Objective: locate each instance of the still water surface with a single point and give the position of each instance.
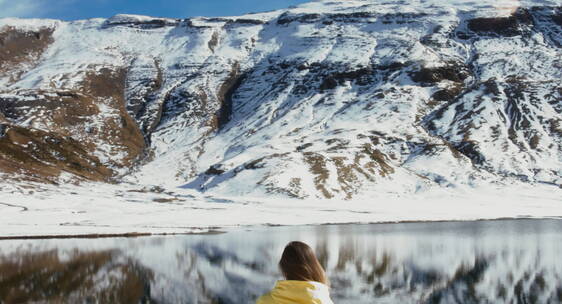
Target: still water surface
(506, 261)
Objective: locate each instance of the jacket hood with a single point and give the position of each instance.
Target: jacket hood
(297, 292)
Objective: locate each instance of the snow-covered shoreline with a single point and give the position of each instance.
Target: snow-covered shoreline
(98, 209)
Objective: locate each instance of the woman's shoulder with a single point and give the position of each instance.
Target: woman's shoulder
(300, 284)
(265, 299)
(288, 291)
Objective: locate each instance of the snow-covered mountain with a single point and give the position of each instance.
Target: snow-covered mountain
(330, 99)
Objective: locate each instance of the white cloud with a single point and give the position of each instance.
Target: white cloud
(20, 8)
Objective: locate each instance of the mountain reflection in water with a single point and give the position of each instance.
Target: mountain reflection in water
(508, 261)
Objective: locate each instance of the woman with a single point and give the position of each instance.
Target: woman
(305, 280)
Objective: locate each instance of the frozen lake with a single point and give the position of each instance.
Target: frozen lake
(515, 261)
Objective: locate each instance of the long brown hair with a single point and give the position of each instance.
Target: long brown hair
(299, 263)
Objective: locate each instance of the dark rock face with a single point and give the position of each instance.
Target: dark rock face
(452, 72)
(447, 94)
(136, 102)
(557, 17)
(2, 130)
(287, 18)
(502, 26)
(353, 17)
(470, 150)
(360, 76)
(215, 170)
(519, 23)
(140, 24)
(225, 93)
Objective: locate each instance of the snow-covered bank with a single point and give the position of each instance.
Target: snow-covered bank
(118, 209)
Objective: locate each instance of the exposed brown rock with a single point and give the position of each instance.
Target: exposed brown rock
(317, 165)
(61, 110)
(107, 87)
(367, 163)
(19, 47)
(347, 177)
(379, 160)
(43, 156)
(68, 129)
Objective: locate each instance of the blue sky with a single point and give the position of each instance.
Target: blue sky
(83, 9)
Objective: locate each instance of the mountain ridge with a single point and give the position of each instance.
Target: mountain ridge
(329, 99)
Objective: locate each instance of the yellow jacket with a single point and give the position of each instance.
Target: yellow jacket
(297, 292)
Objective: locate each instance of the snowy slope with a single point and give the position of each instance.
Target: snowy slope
(330, 99)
